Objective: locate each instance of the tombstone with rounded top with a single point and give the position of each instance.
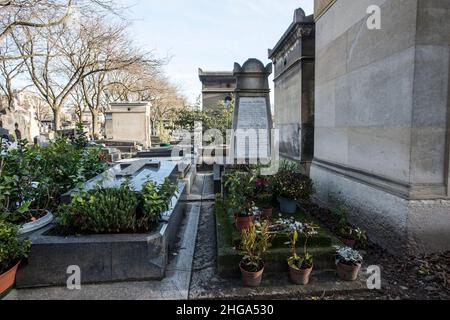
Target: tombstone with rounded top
(252, 122)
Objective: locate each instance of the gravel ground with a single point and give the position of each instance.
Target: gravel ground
(402, 278)
(204, 276)
(417, 278)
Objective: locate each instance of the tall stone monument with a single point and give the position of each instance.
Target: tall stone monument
(252, 122)
(293, 60)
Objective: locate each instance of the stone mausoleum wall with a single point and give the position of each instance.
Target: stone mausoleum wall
(382, 119)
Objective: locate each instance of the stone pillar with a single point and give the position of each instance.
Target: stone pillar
(382, 119)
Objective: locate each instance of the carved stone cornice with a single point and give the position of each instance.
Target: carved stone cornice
(290, 40)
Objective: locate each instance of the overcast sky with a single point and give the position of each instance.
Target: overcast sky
(210, 34)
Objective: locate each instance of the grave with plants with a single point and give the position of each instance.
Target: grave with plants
(113, 230)
(248, 195)
(32, 180)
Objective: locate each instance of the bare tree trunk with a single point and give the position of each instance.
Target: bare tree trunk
(95, 124)
(80, 117)
(57, 118)
(11, 102)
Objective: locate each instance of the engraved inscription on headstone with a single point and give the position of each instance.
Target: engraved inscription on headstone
(252, 128)
(252, 113)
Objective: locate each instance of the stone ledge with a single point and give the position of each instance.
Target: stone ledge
(279, 287)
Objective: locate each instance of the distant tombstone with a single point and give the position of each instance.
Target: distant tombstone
(252, 121)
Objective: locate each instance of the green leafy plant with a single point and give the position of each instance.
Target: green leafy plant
(254, 244)
(293, 185)
(240, 187)
(116, 210)
(81, 141)
(289, 166)
(340, 216)
(12, 250)
(100, 211)
(156, 200)
(33, 178)
(304, 261)
(346, 230)
(264, 195)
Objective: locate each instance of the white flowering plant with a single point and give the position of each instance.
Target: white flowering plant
(348, 256)
(291, 225)
(298, 229)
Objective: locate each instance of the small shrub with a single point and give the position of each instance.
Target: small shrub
(240, 187)
(100, 211)
(293, 185)
(12, 250)
(116, 210)
(156, 200)
(346, 230)
(33, 178)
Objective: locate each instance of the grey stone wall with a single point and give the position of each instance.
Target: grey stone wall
(381, 119)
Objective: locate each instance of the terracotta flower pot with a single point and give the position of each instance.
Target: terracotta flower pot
(348, 273)
(243, 223)
(300, 277)
(8, 278)
(267, 213)
(349, 242)
(251, 279)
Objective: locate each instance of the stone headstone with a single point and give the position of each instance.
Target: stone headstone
(252, 121)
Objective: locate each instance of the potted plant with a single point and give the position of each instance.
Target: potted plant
(301, 266)
(12, 251)
(350, 236)
(240, 193)
(254, 244)
(292, 187)
(264, 198)
(348, 262)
